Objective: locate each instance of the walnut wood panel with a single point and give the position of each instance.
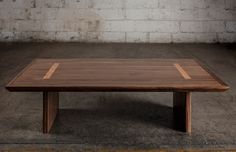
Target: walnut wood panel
(50, 109)
(182, 111)
(116, 75)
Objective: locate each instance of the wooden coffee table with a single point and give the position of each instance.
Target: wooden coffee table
(180, 76)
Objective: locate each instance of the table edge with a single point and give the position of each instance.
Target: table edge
(12, 88)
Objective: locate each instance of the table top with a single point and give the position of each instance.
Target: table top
(115, 75)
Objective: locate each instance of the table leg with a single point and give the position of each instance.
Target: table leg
(50, 109)
(182, 111)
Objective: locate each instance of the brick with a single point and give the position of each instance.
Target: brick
(200, 26)
(50, 3)
(27, 36)
(137, 37)
(183, 38)
(93, 37)
(230, 4)
(221, 15)
(47, 36)
(36, 14)
(227, 37)
(142, 26)
(198, 15)
(107, 4)
(206, 15)
(108, 14)
(17, 4)
(194, 4)
(36, 36)
(215, 4)
(67, 36)
(9, 25)
(90, 14)
(77, 3)
(141, 4)
(172, 14)
(160, 38)
(1, 37)
(112, 36)
(231, 26)
(28, 25)
(169, 4)
(7, 36)
(73, 26)
(53, 25)
(4, 4)
(20, 14)
(95, 25)
(70, 14)
(191, 15)
(83, 14)
(157, 26)
(2, 25)
(5, 13)
(139, 14)
(116, 26)
(206, 38)
(43, 13)
(14, 13)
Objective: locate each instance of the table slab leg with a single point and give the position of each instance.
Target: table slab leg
(50, 109)
(182, 111)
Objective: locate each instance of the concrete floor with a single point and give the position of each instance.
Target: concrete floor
(117, 120)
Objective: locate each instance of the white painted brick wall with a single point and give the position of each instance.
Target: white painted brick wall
(154, 21)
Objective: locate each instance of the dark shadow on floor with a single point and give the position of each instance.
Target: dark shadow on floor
(113, 116)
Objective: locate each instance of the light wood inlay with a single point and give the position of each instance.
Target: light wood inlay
(182, 71)
(50, 72)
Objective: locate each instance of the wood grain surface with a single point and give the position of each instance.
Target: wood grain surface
(182, 111)
(50, 109)
(116, 75)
